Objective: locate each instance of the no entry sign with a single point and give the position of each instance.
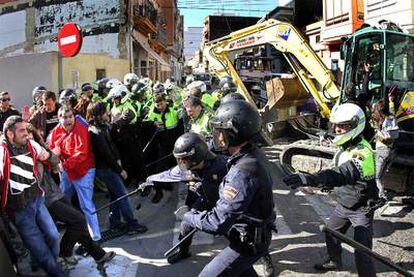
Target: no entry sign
(70, 39)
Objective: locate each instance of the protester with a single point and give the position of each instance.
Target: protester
(22, 196)
(70, 141)
(109, 168)
(62, 210)
(45, 118)
(6, 109)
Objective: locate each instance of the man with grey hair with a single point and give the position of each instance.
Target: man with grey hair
(22, 198)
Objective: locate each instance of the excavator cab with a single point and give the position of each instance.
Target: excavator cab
(379, 64)
(375, 60)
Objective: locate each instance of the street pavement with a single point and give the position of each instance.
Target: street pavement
(297, 246)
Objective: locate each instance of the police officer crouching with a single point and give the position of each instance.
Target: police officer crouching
(207, 170)
(244, 212)
(353, 181)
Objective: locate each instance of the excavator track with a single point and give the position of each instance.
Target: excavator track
(307, 155)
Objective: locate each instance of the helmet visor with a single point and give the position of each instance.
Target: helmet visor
(222, 125)
(184, 154)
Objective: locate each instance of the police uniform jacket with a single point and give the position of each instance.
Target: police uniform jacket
(353, 177)
(246, 190)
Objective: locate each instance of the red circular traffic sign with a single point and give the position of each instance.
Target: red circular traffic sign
(70, 39)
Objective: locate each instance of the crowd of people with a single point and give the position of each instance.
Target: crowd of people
(124, 133)
(54, 153)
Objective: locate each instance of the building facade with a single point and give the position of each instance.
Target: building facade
(192, 37)
(119, 36)
(342, 18)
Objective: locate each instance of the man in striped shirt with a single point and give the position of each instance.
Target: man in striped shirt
(22, 197)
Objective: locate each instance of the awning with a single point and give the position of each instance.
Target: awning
(141, 39)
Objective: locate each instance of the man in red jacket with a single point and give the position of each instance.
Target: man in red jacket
(70, 141)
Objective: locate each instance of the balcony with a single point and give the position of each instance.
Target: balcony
(162, 36)
(145, 17)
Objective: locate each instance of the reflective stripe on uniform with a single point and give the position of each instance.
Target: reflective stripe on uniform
(363, 157)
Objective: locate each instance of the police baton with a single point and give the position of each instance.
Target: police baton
(358, 246)
(140, 188)
(159, 160)
(180, 242)
(150, 141)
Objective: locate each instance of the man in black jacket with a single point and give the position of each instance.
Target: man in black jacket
(109, 168)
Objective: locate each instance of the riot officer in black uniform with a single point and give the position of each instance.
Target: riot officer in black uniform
(244, 212)
(203, 171)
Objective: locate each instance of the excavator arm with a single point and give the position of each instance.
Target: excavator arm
(286, 39)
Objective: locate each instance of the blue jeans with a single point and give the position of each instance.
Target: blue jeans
(84, 189)
(117, 189)
(40, 235)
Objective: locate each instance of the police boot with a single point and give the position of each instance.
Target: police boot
(158, 196)
(329, 265)
(178, 256)
(268, 268)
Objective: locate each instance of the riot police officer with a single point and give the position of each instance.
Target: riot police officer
(353, 181)
(244, 212)
(202, 171)
(123, 121)
(130, 79)
(231, 97)
(68, 97)
(197, 117)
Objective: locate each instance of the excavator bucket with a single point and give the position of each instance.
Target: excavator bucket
(285, 92)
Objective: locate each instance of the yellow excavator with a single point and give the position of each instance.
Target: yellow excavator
(394, 68)
(286, 39)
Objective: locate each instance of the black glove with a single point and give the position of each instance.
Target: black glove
(296, 180)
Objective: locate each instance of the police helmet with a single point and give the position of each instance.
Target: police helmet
(130, 79)
(197, 85)
(37, 93)
(139, 88)
(228, 88)
(113, 83)
(351, 117)
(232, 97)
(158, 89)
(68, 97)
(169, 85)
(234, 122)
(102, 83)
(118, 91)
(192, 148)
(146, 80)
(86, 87)
(225, 80)
(189, 79)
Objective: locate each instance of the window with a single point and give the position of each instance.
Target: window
(400, 58)
(75, 79)
(144, 68)
(100, 74)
